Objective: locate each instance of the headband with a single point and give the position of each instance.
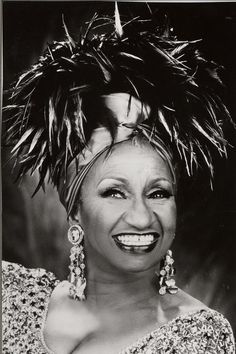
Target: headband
(128, 113)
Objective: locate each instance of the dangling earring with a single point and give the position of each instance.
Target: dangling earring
(167, 271)
(77, 266)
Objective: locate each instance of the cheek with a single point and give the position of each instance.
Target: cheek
(167, 217)
(97, 217)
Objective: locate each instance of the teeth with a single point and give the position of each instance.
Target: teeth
(136, 240)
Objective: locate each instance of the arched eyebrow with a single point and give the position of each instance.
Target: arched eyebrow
(160, 179)
(125, 181)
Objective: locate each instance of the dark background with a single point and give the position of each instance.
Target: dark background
(34, 230)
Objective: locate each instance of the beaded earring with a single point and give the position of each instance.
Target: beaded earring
(167, 272)
(77, 266)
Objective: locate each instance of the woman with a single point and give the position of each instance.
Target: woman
(113, 120)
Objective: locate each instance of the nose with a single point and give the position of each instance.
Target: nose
(139, 215)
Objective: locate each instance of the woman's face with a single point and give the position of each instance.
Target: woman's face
(128, 209)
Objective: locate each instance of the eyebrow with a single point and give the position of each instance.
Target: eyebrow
(120, 179)
(124, 180)
(160, 179)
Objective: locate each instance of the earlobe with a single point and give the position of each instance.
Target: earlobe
(74, 219)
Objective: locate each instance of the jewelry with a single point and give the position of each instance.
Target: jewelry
(77, 266)
(167, 272)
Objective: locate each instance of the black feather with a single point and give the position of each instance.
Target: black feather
(49, 126)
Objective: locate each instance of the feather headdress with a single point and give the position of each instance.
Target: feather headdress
(54, 107)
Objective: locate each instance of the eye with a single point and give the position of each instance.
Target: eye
(160, 194)
(113, 193)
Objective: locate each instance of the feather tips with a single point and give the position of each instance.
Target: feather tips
(118, 26)
(49, 124)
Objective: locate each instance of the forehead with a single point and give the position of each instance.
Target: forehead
(131, 160)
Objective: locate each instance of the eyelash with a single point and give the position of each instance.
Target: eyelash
(162, 194)
(111, 193)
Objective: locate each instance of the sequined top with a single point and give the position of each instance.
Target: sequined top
(26, 294)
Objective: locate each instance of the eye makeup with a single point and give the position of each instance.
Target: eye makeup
(112, 192)
(160, 193)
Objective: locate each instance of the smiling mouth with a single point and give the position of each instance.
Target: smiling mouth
(137, 243)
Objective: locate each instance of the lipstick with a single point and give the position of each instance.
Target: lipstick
(136, 243)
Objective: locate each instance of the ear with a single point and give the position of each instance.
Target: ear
(74, 218)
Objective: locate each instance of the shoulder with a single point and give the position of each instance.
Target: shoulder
(201, 327)
(17, 277)
(210, 330)
(25, 297)
(201, 331)
(187, 303)
(179, 304)
(21, 286)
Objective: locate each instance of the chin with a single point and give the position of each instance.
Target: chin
(134, 265)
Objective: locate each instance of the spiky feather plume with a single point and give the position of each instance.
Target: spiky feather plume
(50, 105)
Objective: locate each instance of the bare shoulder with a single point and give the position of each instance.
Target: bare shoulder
(180, 304)
(187, 303)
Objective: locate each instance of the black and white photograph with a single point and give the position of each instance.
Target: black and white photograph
(118, 173)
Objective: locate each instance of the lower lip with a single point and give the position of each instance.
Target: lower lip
(136, 249)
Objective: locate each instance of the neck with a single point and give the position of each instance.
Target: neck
(115, 290)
